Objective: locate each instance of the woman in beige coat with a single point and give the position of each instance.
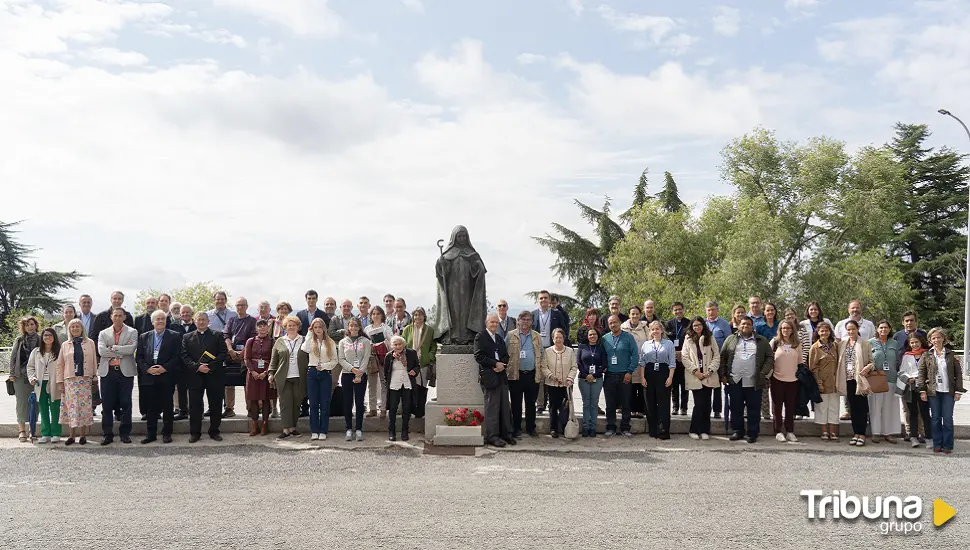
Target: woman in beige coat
(559, 369)
(701, 359)
(287, 372)
(855, 357)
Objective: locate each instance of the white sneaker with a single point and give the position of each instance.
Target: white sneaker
(780, 437)
(929, 444)
(915, 443)
(349, 436)
(705, 437)
(792, 438)
(360, 435)
(322, 437)
(44, 439)
(694, 436)
(314, 437)
(55, 439)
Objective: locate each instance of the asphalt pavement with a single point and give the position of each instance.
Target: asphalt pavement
(622, 493)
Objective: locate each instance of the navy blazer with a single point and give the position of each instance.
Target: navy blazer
(169, 357)
(556, 320)
(488, 352)
(304, 316)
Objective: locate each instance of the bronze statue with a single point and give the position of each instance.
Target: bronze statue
(461, 291)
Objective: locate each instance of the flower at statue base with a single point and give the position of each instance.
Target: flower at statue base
(464, 417)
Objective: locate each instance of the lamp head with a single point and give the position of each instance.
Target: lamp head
(943, 112)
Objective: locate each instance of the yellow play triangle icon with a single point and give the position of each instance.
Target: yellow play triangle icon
(942, 512)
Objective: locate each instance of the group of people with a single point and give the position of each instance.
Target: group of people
(291, 365)
(768, 365)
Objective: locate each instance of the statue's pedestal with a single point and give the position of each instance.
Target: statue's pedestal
(457, 386)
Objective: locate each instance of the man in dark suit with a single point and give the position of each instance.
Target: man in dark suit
(184, 326)
(103, 319)
(492, 357)
(158, 358)
(203, 359)
(143, 324)
(311, 312)
(556, 302)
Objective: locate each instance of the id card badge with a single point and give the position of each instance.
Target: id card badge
(613, 360)
(592, 369)
(786, 347)
(260, 364)
(939, 379)
(656, 367)
(521, 354)
(240, 347)
(357, 364)
(885, 366)
(544, 334)
(155, 356)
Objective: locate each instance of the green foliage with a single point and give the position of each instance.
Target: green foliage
(22, 285)
(670, 196)
(11, 329)
(198, 295)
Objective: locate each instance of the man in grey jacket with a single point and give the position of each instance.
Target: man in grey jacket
(116, 346)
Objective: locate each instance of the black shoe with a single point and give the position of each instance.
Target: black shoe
(391, 437)
(166, 439)
(683, 412)
(664, 437)
(295, 433)
(215, 437)
(304, 414)
(125, 439)
(181, 416)
(510, 440)
(107, 440)
(751, 439)
(69, 442)
(405, 436)
(517, 435)
(555, 435)
(736, 437)
(585, 433)
(193, 438)
(148, 440)
(496, 442)
(283, 435)
(533, 434)
(540, 411)
(118, 416)
(717, 415)
(83, 441)
(207, 413)
(144, 417)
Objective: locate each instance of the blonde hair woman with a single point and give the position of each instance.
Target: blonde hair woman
(76, 370)
(559, 368)
(287, 371)
(940, 383)
(855, 354)
(322, 354)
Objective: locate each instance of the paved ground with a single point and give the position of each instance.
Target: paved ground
(633, 493)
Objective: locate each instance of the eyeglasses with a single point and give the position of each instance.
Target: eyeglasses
(503, 305)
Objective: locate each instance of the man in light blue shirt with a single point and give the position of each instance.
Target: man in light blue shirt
(720, 329)
(219, 316)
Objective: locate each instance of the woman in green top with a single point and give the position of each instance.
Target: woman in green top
(884, 407)
(419, 336)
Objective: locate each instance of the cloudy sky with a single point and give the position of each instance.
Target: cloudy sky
(273, 146)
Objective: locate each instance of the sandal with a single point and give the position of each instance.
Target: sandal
(833, 437)
(890, 439)
(23, 437)
(854, 441)
(861, 442)
(825, 436)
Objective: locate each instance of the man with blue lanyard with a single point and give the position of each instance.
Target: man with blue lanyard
(720, 330)
(158, 357)
(623, 358)
(746, 363)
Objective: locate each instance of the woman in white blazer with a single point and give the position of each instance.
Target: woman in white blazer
(701, 358)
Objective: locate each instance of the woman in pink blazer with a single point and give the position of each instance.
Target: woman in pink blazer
(76, 368)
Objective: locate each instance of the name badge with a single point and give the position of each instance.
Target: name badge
(496, 355)
(613, 360)
(155, 355)
(240, 347)
(885, 366)
(522, 354)
(592, 369)
(786, 347)
(260, 364)
(939, 379)
(544, 334)
(656, 367)
(356, 364)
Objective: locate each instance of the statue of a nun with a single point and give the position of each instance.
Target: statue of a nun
(461, 291)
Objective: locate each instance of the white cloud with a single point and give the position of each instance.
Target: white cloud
(654, 31)
(301, 17)
(416, 6)
(576, 6)
(862, 40)
(727, 20)
(212, 36)
(113, 56)
(530, 58)
(794, 5)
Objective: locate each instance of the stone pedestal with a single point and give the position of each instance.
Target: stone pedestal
(457, 386)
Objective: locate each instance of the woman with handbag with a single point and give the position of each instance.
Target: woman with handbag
(941, 384)
(917, 408)
(420, 337)
(701, 359)
(77, 367)
(558, 370)
(25, 343)
(855, 355)
(884, 406)
(379, 335)
(353, 354)
(401, 368)
(829, 372)
(592, 363)
(287, 372)
(787, 349)
(322, 353)
(40, 371)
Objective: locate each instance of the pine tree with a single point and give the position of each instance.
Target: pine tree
(930, 241)
(22, 285)
(639, 197)
(670, 198)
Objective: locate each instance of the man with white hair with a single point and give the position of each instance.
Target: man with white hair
(492, 357)
(158, 358)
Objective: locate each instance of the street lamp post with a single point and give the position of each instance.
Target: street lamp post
(966, 284)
